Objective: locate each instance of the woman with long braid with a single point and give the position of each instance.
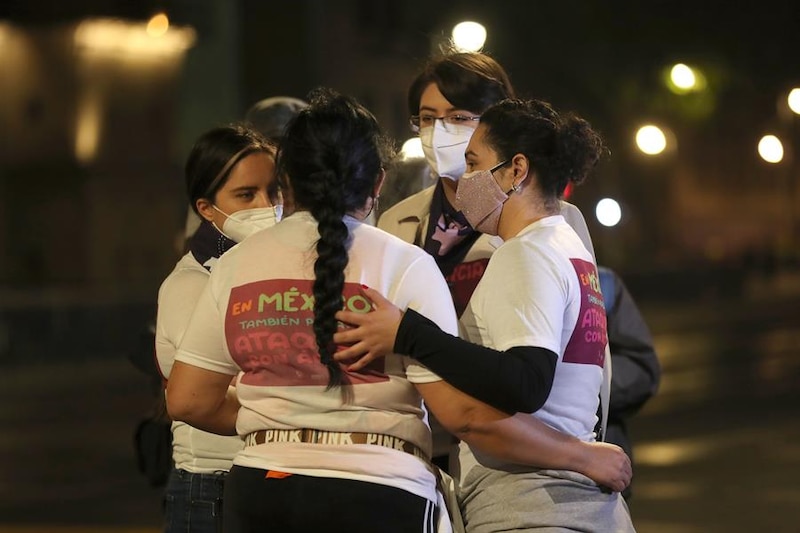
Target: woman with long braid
(326, 448)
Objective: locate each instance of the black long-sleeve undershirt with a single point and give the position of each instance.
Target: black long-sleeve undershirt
(517, 380)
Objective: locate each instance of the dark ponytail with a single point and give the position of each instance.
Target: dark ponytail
(332, 154)
(579, 149)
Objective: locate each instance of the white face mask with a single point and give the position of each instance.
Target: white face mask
(244, 223)
(444, 150)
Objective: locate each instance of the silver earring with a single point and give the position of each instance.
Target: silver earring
(516, 188)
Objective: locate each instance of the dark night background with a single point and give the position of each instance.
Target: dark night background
(94, 133)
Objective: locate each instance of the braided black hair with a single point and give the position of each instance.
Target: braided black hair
(332, 154)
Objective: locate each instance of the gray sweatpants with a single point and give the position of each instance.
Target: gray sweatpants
(543, 500)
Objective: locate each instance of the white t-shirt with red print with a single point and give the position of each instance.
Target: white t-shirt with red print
(255, 319)
(541, 289)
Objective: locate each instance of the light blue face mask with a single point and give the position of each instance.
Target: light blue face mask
(242, 224)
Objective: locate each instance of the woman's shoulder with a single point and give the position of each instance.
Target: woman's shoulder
(188, 277)
(413, 208)
(532, 249)
(187, 268)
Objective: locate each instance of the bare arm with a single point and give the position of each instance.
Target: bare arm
(523, 439)
(519, 439)
(202, 399)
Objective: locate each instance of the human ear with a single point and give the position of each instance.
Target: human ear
(205, 209)
(379, 183)
(520, 168)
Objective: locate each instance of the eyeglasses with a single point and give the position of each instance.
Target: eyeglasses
(452, 123)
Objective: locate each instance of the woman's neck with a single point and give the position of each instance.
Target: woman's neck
(519, 212)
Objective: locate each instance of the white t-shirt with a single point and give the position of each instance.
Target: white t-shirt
(193, 450)
(541, 289)
(256, 316)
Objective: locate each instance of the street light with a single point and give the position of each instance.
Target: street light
(608, 212)
(794, 100)
(469, 36)
(683, 76)
(683, 79)
(770, 148)
(651, 139)
(158, 25)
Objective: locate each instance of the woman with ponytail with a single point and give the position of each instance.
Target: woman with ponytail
(326, 448)
(536, 323)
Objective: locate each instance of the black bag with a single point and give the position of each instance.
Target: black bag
(152, 441)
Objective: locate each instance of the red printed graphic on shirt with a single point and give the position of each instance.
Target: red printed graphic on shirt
(463, 280)
(587, 344)
(269, 333)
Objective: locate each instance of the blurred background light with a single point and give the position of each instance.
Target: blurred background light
(469, 36)
(683, 79)
(113, 36)
(794, 100)
(158, 25)
(608, 212)
(770, 148)
(4, 31)
(651, 140)
(683, 76)
(88, 127)
(412, 149)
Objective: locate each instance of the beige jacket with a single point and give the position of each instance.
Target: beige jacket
(408, 220)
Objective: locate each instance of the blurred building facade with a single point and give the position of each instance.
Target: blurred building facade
(97, 118)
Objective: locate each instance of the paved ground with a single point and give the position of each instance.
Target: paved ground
(717, 450)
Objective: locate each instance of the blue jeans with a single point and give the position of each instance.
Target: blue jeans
(193, 502)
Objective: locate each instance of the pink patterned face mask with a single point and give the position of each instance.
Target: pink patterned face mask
(480, 199)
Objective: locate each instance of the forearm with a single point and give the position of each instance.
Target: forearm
(518, 379)
(519, 439)
(524, 439)
(219, 419)
(202, 399)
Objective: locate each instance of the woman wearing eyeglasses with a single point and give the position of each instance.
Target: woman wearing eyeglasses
(446, 100)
